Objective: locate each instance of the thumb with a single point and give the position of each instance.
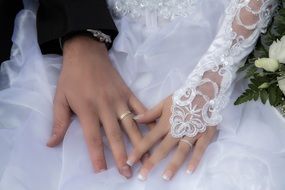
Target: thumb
(61, 121)
(150, 115)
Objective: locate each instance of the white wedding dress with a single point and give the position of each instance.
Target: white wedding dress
(160, 43)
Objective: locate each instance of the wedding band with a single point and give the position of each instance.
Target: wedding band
(187, 142)
(124, 115)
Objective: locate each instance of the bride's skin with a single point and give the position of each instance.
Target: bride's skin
(91, 88)
(161, 130)
(162, 113)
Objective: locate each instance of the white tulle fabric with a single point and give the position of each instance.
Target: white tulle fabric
(155, 58)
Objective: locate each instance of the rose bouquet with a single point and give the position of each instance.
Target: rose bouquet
(265, 66)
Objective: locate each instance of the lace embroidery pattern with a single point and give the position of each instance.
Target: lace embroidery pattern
(167, 9)
(223, 58)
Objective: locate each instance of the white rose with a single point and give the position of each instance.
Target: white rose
(281, 83)
(277, 50)
(267, 64)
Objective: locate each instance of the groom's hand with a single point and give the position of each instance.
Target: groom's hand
(91, 88)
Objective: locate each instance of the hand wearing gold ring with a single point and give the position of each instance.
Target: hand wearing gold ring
(184, 146)
(92, 89)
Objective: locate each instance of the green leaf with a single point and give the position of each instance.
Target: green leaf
(263, 96)
(253, 87)
(282, 67)
(245, 97)
(279, 96)
(251, 71)
(266, 40)
(260, 51)
(256, 96)
(272, 95)
(254, 81)
(278, 26)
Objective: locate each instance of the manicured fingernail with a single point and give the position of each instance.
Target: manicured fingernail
(137, 116)
(101, 170)
(130, 163)
(189, 172)
(142, 175)
(167, 175)
(51, 139)
(131, 160)
(126, 171)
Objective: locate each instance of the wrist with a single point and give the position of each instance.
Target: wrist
(82, 46)
(93, 34)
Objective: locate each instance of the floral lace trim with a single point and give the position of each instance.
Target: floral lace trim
(167, 9)
(223, 58)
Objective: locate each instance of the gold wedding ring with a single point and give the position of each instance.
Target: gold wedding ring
(187, 142)
(124, 115)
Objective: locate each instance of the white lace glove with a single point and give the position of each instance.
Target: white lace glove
(207, 90)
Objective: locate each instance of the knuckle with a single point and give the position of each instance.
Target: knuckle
(97, 161)
(97, 142)
(121, 159)
(162, 152)
(204, 144)
(183, 148)
(201, 146)
(59, 125)
(212, 132)
(88, 100)
(116, 136)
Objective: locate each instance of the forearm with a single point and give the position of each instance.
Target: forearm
(211, 80)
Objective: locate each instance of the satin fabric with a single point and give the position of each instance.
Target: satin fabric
(154, 58)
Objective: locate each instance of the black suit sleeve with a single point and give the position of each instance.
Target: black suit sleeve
(8, 11)
(58, 18)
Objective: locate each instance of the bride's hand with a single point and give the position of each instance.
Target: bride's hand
(183, 146)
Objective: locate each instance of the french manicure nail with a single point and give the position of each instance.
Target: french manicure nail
(126, 171)
(130, 163)
(101, 170)
(143, 174)
(131, 160)
(189, 172)
(167, 175)
(137, 116)
(141, 177)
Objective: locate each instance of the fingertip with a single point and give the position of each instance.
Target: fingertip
(142, 176)
(138, 118)
(130, 163)
(131, 160)
(52, 141)
(167, 175)
(188, 172)
(126, 171)
(100, 171)
(191, 169)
